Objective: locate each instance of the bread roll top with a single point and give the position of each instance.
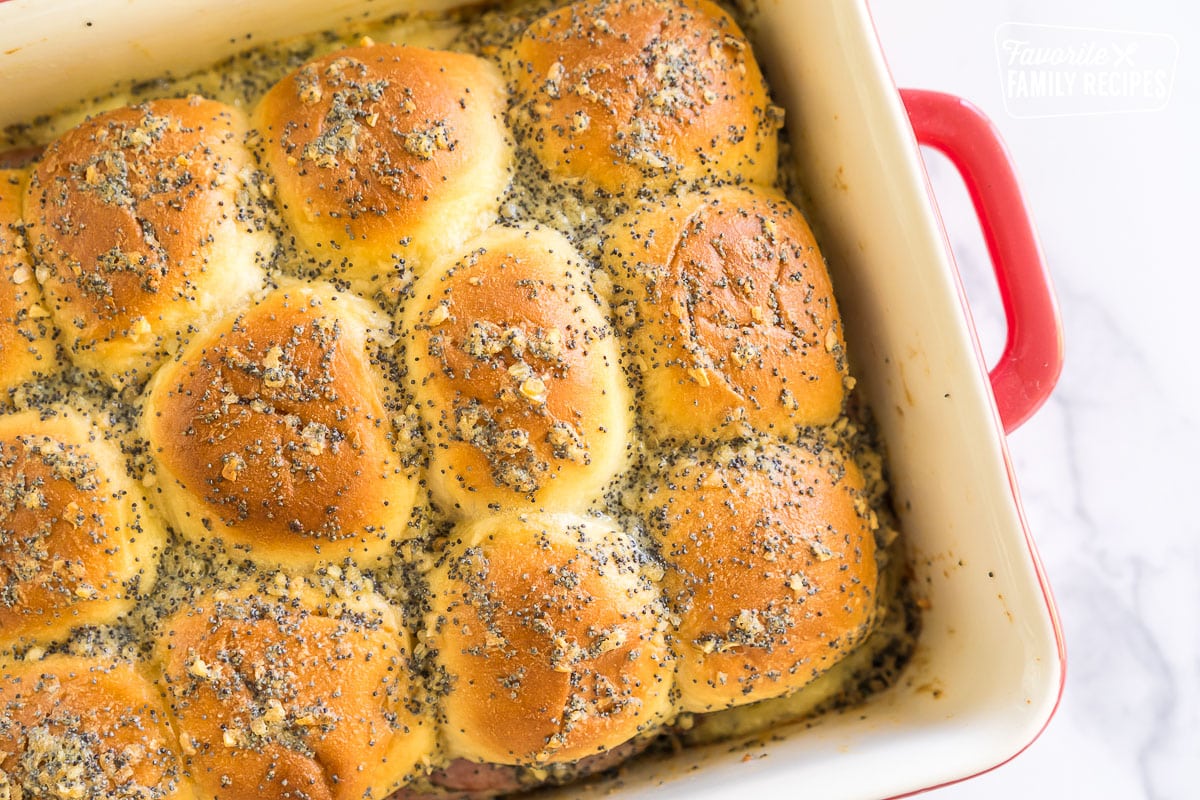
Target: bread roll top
(141, 222)
(551, 640)
(26, 332)
(634, 95)
(78, 545)
(771, 566)
(278, 691)
(514, 368)
(732, 321)
(76, 728)
(273, 432)
(385, 156)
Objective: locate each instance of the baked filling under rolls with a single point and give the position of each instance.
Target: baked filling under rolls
(637, 95)
(278, 691)
(272, 434)
(26, 332)
(78, 545)
(141, 221)
(732, 321)
(77, 728)
(514, 368)
(770, 550)
(550, 638)
(385, 156)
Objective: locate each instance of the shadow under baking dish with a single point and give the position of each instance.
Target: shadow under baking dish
(989, 666)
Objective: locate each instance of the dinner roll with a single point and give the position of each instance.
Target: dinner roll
(293, 695)
(632, 94)
(771, 570)
(551, 640)
(140, 223)
(76, 728)
(77, 543)
(272, 432)
(384, 156)
(26, 333)
(515, 371)
(735, 326)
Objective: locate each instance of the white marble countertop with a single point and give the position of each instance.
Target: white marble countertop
(1108, 467)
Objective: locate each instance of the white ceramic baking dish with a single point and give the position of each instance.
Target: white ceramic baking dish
(990, 663)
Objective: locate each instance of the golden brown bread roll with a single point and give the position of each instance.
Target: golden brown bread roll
(293, 695)
(272, 434)
(138, 221)
(76, 728)
(515, 371)
(551, 639)
(735, 326)
(26, 332)
(628, 95)
(386, 156)
(77, 543)
(771, 567)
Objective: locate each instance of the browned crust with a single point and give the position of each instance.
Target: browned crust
(552, 641)
(77, 544)
(772, 567)
(372, 145)
(276, 696)
(125, 215)
(26, 332)
(72, 727)
(515, 369)
(272, 431)
(627, 94)
(735, 322)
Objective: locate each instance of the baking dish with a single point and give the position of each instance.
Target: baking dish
(990, 664)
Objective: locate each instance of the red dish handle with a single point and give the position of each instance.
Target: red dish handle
(1029, 367)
